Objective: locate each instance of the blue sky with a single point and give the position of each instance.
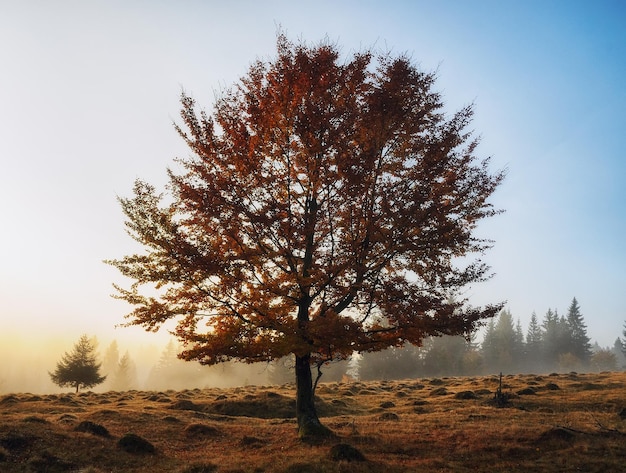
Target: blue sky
(89, 90)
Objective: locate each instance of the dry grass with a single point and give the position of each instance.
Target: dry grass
(564, 422)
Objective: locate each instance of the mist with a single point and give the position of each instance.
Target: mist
(26, 363)
(153, 366)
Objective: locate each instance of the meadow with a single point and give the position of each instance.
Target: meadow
(544, 423)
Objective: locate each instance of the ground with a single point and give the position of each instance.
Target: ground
(549, 423)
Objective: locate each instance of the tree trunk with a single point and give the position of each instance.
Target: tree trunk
(309, 424)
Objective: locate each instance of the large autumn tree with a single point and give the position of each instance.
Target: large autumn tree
(327, 207)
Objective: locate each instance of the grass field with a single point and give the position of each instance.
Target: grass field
(556, 422)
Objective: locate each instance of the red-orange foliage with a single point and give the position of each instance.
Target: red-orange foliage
(323, 211)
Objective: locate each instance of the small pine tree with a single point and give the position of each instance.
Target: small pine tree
(619, 350)
(78, 368)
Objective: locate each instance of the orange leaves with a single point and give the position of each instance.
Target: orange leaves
(320, 213)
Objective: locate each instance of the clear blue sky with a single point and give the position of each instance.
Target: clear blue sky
(88, 92)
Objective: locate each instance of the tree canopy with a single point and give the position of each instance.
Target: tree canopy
(78, 368)
(326, 208)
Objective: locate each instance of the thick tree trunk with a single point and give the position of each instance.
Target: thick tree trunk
(309, 424)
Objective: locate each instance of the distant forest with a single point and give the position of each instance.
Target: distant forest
(554, 343)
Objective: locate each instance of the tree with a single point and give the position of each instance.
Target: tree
(619, 350)
(623, 342)
(111, 358)
(392, 363)
(125, 374)
(78, 368)
(281, 371)
(580, 342)
(325, 209)
(110, 361)
(451, 356)
(505, 344)
(534, 343)
(556, 338)
(171, 373)
(489, 346)
(603, 360)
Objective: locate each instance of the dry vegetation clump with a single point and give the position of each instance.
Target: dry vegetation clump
(133, 443)
(571, 422)
(345, 452)
(196, 431)
(92, 428)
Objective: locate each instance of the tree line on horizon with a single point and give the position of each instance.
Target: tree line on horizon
(555, 343)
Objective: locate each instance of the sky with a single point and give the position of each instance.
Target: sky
(89, 92)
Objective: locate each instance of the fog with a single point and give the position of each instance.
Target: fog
(26, 363)
(552, 343)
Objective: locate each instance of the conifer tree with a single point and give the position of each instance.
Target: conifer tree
(518, 343)
(125, 374)
(623, 342)
(110, 360)
(533, 336)
(534, 344)
(508, 342)
(450, 356)
(580, 345)
(78, 368)
(603, 359)
(555, 338)
(489, 346)
(619, 349)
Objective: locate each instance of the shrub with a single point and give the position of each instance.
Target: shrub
(345, 452)
(389, 416)
(133, 443)
(201, 430)
(92, 428)
(465, 395)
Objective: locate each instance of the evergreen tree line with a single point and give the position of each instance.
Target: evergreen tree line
(170, 372)
(555, 343)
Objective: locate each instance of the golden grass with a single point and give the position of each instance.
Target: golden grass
(563, 422)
